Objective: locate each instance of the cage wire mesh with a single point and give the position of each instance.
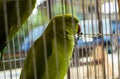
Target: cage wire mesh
(96, 52)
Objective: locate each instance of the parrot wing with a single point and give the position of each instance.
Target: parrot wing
(13, 13)
(12, 16)
(36, 56)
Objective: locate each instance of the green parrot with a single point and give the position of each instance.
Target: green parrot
(49, 57)
(12, 12)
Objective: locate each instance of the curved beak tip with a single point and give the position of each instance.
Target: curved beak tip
(79, 29)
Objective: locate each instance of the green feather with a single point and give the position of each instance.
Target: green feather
(14, 14)
(50, 53)
(10, 26)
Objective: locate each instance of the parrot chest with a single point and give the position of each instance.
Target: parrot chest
(59, 60)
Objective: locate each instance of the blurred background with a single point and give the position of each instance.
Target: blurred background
(100, 34)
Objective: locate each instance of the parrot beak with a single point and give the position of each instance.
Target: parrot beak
(79, 29)
(79, 33)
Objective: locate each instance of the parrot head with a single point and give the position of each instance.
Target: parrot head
(67, 23)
